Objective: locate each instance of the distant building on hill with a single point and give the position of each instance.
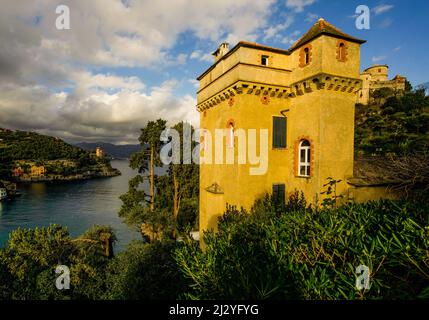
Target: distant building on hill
(17, 172)
(3, 191)
(376, 77)
(37, 171)
(99, 152)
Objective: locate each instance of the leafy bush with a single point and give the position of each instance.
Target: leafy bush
(308, 254)
(145, 271)
(28, 263)
(393, 125)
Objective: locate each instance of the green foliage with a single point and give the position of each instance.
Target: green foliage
(149, 138)
(332, 197)
(142, 271)
(134, 210)
(20, 145)
(29, 260)
(145, 271)
(44, 150)
(397, 126)
(181, 181)
(309, 254)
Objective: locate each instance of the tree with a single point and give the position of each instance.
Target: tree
(184, 177)
(29, 260)
(408, 86)
(176, 203)
(134, 209)
(148, 157)
(399, 125)
(412, 173)
(145, 271)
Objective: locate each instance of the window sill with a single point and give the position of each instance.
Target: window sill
(279, 149)
(303, 177)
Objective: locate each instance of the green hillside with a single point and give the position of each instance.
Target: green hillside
(32, 147)
(21, 145)
(392, 124)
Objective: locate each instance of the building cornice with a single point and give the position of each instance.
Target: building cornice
(321, 81)
(325, 81)
(243, 64)
(248, 87)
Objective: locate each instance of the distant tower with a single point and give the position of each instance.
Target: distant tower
(99, 152)
(376, 77)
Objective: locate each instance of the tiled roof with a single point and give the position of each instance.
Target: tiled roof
(323, 27)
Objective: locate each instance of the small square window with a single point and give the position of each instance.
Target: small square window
(264, 60)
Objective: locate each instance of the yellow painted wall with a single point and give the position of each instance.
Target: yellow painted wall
(325, 116)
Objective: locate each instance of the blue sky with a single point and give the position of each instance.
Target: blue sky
(398, 34)
(123, 63)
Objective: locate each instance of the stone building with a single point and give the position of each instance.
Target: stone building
(376, 77)
(286, 120)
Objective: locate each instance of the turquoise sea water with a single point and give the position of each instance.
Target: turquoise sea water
(77, 205)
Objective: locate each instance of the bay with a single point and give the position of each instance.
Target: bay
(76, 205)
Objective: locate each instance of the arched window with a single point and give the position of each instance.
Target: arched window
(203, 140)
(304, 163)
(342, 51)
(230, 135)
(306, 56)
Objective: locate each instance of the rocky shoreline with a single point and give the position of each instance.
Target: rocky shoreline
(75, 177)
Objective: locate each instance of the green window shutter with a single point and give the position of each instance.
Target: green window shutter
(279, 132)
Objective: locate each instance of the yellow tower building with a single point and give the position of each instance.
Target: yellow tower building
(303, 98)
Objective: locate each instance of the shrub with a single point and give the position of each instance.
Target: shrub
(308, 254)
(29, 260)
(145, 271)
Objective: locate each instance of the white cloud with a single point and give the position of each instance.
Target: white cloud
(276, 30)
(181, 58)
(291, 38)
(199, 55)
(299, 5)
(311, 17)
(397, 49)
(47, 77)
(106, 32)
(194, 82)
(382, 8)
(376, 59)
(90, 114)
(84, 79)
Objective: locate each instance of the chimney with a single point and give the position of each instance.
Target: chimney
(221, 51)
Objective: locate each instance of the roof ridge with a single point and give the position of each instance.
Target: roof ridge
(322, 27)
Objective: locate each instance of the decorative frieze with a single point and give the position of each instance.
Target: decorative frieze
(322, 81)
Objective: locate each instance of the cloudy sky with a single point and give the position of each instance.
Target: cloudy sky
(124, 62)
